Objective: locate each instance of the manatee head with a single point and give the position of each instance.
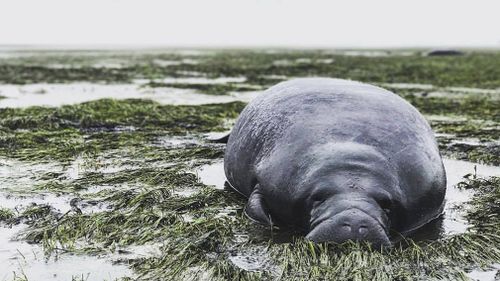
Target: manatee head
(350, 190)
(350, 216)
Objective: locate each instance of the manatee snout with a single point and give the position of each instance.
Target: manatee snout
(352, 224)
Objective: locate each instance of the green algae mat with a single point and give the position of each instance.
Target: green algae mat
(127, 182)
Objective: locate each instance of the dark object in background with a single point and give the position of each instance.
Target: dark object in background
(437, 53)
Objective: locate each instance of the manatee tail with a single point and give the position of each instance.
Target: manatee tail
(219, 140)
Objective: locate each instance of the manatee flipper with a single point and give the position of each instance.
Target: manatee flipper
(220, 140)
(256, 208)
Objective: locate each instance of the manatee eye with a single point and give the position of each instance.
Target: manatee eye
(385, 204)
(317, 202)
(317, 199)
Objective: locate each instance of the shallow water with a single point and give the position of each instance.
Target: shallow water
(408, 86)
(163, 63)
(253, 258)
(62, 94)
(19, 258)
(455, 171)
(204, 80)
(54, 94)
(19, 174)
(212, 174)
(21, 201)
(365, 53)
(74, 93)
(484, 275)
(444, 92)
(29, 260)
(22, 257)
(18, 179)
(474, 90)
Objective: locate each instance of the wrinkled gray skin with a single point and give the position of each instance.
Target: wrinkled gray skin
(337, 159)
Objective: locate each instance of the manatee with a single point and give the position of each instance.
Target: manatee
(337, 160)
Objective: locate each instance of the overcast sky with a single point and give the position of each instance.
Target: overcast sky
(236, 23)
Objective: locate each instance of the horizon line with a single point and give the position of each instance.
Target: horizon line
(73, 46)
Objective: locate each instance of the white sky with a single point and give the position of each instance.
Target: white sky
(266, 23)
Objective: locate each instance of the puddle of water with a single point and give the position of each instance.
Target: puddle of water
(176, 96)
(245, 96)
(140, 251)
(365, 53)
(474, 90)
(165, 63)
(212, 174)
(186, 192)
(254, 259)
(445, 135)
(108, 65)
(282, 62)
(485, 275)
(76, 169)
(303, 60)
(60, 203)
(325, 61)
(190, 73)
(276, 77)
(7, 55)
(444, 92)
(187, 218)
(19, 177)
(63, 94)
(61, 66)
(444, 118)
(456, 169)
(203, 80)
(453, 221)
(168, 141)
(408, 86)
(248, 262)
(458, 95)
(286, 62)
(16, 175)
(188, 52)
(20, 258)
(473, 142)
